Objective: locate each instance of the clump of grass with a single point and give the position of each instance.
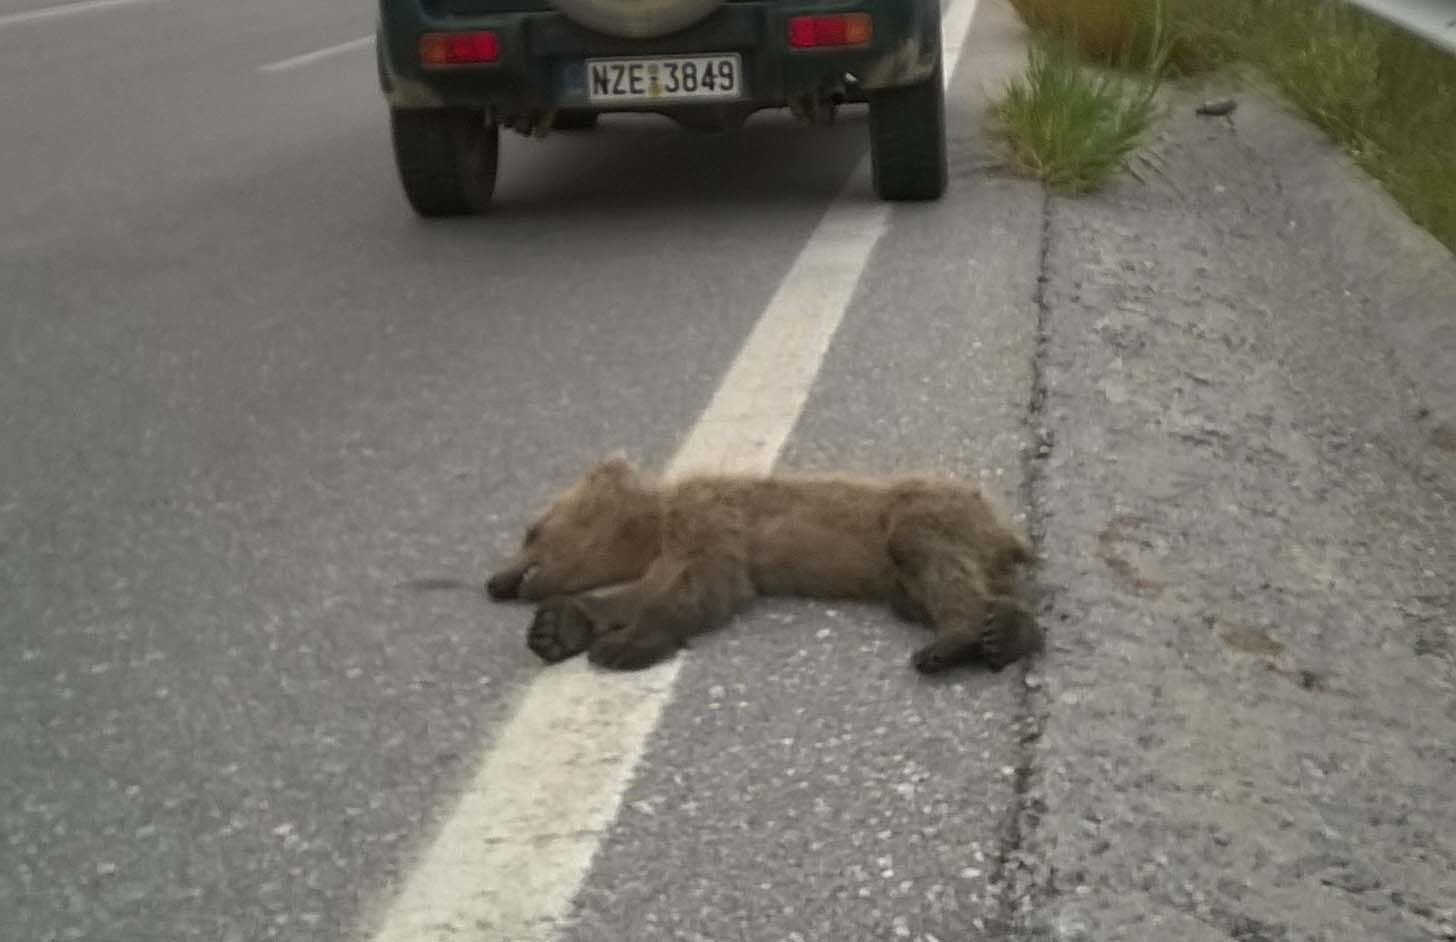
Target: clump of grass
(1325, 57)
(1071, 126)
(1387, 97)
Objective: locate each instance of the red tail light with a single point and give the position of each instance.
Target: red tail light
(459, 48)
(841, 29)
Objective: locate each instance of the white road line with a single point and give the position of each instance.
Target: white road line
(506, 864)
(64, 9)
(308, 58)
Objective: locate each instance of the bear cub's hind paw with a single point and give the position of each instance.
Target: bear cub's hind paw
(1011, 633)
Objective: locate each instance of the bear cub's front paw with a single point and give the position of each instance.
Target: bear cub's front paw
(561, 629)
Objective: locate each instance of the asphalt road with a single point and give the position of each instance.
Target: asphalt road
(247, 396)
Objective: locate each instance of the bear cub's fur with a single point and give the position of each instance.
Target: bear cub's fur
(628, 569)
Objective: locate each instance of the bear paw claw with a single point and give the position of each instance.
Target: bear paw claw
(1011, 633)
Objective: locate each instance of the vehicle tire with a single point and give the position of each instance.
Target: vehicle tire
(636, 19)
(907, 140)
(574, 121)
(447, 159)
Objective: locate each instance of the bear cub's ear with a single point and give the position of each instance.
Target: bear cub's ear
(616, 468)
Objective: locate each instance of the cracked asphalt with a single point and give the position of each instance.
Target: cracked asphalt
(248, 398)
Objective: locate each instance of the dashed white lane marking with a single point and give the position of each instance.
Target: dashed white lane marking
(64, 9)
(318, 55)
(745, 426)
(506, 864)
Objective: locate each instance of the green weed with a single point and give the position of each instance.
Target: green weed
(1073, 126)
(1387, 97)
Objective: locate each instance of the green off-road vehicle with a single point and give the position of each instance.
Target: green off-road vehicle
(455, 72)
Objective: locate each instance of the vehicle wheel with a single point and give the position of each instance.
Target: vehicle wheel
(574, 120)
(907, 140)
(447, 159)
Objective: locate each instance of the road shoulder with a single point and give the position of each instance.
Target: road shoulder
(1249, 704)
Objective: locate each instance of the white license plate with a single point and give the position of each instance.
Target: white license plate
(668, 78)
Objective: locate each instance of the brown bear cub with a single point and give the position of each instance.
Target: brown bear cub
(627, 570)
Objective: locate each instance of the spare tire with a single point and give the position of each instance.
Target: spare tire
(636, 19)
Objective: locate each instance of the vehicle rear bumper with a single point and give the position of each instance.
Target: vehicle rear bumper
(542, 55)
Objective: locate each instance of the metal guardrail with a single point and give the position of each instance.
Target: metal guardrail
(1432, 20)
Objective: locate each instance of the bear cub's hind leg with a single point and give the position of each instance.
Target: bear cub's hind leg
(943, 580)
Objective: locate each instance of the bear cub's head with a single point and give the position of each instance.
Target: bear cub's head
(602, 530)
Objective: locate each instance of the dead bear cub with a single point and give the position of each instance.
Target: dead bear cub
(627, 570)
